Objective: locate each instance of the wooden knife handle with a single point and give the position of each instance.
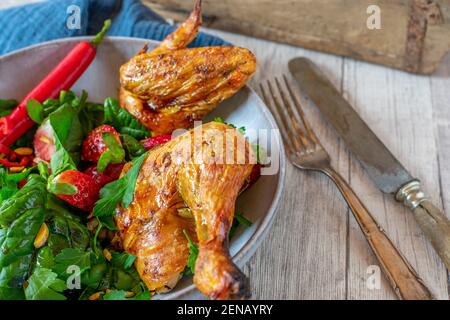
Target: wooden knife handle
(431, 220)
(401, 275)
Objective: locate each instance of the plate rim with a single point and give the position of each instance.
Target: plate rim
(254, 242)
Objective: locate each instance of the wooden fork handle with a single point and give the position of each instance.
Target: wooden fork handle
(401, 275)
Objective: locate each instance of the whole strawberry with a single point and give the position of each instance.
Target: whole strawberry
(94, 146)
(152, 142)
(111, 173)
(87, 189)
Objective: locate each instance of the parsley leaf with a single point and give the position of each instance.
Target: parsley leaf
(238, 220)
(131, 178)
(121, 190)
(132, 146)
(261, 155)
(114, 152)
(193, 254)
(242, 220)
(71, 257)
(123, 259)
(241, 130)
(44, 285)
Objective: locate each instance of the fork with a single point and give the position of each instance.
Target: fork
(305, 151)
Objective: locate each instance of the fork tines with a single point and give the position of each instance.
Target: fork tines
(285, 106)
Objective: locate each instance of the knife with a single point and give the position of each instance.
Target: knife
(383, 168)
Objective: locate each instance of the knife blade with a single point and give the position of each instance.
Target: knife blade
(382, 167)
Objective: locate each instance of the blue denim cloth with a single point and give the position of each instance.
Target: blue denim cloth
(34, 23)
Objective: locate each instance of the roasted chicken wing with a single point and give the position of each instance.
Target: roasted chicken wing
(171, 87)
(202, 171)
(184, 34)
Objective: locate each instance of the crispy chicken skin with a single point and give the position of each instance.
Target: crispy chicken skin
(184, 34)
(189, 171)
(172, 90)
(171, 87)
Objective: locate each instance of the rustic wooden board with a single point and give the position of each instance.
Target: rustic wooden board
(414, 34)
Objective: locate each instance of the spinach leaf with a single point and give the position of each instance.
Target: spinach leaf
(123, 121)
(63, 223)
(7, 106)
(20, 236)
(193, 254)
(11, 294)
(21, 216)
(13, 275)
(67, 129)
(35, 111)
(44, 285)
(91, 116)
(31, 196)
(62, 188)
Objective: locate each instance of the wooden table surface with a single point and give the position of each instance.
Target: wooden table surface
(315, 249)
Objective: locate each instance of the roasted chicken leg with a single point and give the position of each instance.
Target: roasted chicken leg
(202, 170)
(171, 87)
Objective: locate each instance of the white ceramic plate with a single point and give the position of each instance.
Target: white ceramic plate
(20, 71)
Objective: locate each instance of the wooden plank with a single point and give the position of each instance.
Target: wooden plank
(338, 26)
(440, 94)
(397, 106)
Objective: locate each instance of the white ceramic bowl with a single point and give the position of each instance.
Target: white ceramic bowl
(20, 71)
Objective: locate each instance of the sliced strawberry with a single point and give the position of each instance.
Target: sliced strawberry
(111, 173)
(152, 142)
(44, 142)
(94, 146)
(88, 189)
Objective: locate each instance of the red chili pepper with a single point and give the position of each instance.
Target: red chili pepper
(62, 77)
(11, 163)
